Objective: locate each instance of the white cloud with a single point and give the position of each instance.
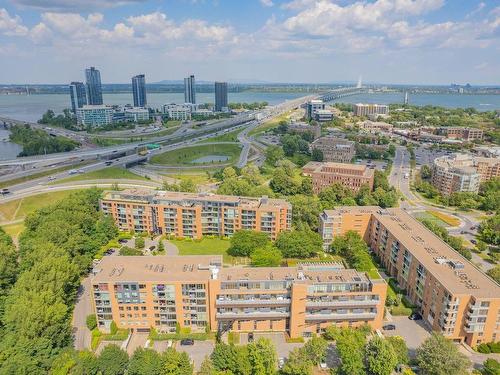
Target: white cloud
(267, 3)
(11, 26)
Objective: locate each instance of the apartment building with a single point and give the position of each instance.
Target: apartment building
(303, 127)
(195, 215)
(461, 172)
(335, 149)
(370, 109)
(94, 115)
(326, 174)
(454, 297)
(462, 133)
(195, 292)
(181, 112)
(312, 107)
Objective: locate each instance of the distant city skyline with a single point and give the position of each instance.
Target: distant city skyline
(311, 41)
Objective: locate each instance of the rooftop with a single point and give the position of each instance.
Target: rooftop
(454, 272)
(338, 168)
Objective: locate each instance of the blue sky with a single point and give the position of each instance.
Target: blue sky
(390, 41)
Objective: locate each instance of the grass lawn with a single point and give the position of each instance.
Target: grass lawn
(13, 230)
(269, 124)
(102, 174)
(186, 156)
(448, 219)
(426, 215)
(227, 137)
(19, 208)
(206, 246)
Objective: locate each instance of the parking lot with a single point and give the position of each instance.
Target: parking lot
(414, 332)
(278, 339)
(197, 352)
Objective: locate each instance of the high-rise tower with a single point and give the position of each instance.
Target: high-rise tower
(189, 90)
(78, 95)
(139, 90)
(94, 89)
(220, 96)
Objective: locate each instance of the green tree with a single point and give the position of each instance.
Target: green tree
(400, 348)
(425, 172)
(244, 242)
(175, 363)
(354, 249)
(489, 230)
(306, 210)
(262, 357)
(381, 358)
(112, 361)
(317, 154)
(91, 321)
(283, 182)
(266, 256)
(274, 154)
(315, 350)
(139, 243)
(491, 367)
(299, 243)
(145, 362)
(439, 356)
(336, 194)
(297, 364)
(494, 273)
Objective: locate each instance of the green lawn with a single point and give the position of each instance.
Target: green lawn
(13, 230)
(269, 124)
(206, 246)
(227, 137)
(186, 156)
(19, 208)
(102, 174)
(428, 216)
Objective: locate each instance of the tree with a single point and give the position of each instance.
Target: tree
(274, 154)
(91, 321)
(317, 154)
(175, 363)
(354, 249)
(494, 273)
(266, 256)
(112, 360)
(244, 242)
(306, 210)
(381, 358)
(425, 172)
(139, 243)
(491, 367)
(299, 243)
(400, 348)
(489, 230)
(336, 194)
(262, 357)
(438, 356)
(297, 364)
(145, 362)
(283, 182)
(315, 350)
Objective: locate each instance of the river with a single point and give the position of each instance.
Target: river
(8, 150)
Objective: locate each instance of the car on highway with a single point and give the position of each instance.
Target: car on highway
(186, 342)
(5, 191)
(52, 178)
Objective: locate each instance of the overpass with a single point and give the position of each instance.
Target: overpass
(340, 93)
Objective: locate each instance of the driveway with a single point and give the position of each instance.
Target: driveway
(414, 332)
(196, 352)
(278, 339)
(83, 308)
(170, 248)
(137, 340)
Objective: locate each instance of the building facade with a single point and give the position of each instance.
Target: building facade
(335, 149)
(94, 115)
(462, 133)
(370, 109)
(78, 95)
(139, 90)
(181, 112)
(136, 114)
(189, 90)
(312, 107)
(194, 215)
(221, 104)
(94, 88)
(304, 127)
(454, 297)
(196, 292)
(461, 172)
(325, 174)
(323, 115)
(375, 126)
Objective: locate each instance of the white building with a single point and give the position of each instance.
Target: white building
(312, 107)
(136, 114)
(180, 112)
(94, 115)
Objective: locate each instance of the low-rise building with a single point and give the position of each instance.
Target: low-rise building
(136, 114)
(196, 293)
(462, 133)
(195, 215)
(370, 109)
(180, 112)
(454, 297)
(461, 172)
(94, 115)
(335, 149)
(375, 126)
(323, 115)
(303, 127)
(312, 107)
(326, 174)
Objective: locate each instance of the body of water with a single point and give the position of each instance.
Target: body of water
(8, 150)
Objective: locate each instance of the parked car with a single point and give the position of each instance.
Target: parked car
(250, 337)
(473, 242)
(415, 316)
(389, 327)
(186, 342)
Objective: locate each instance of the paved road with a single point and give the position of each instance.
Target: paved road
(83, 308)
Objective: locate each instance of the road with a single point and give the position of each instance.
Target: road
(83, 308)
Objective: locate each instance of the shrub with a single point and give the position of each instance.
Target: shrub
(91, 322)
(113, 328)
(139, 243)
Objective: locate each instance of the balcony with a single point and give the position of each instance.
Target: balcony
(370, 302)
(239, 302)
(252, 315)
(350, 316)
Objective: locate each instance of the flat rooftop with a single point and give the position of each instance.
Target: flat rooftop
(338, 168)
(181, 198)
(155, 268)
(432, 252)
